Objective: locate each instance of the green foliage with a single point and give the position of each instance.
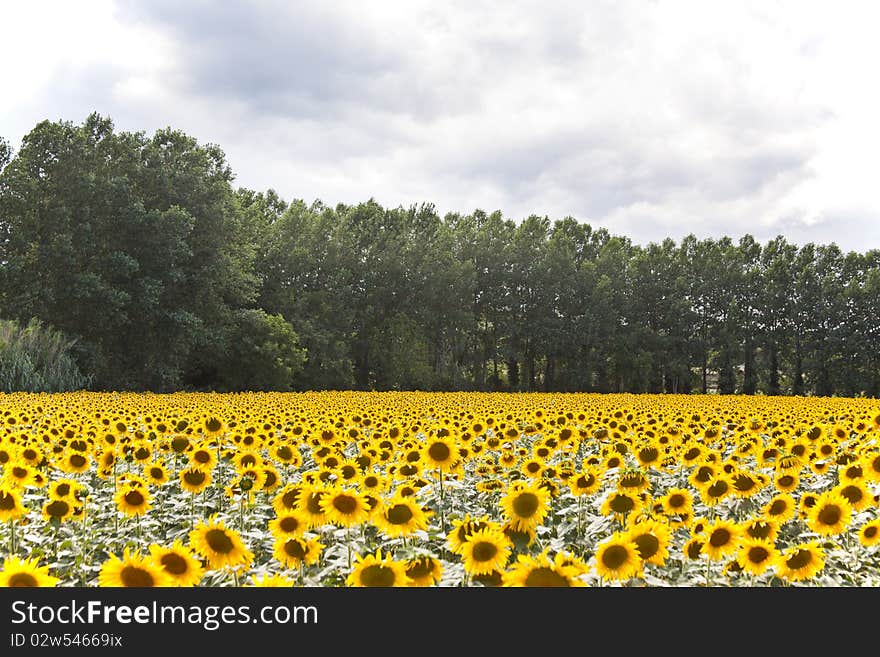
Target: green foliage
(263, 353)
(37, 358)
(139, 248)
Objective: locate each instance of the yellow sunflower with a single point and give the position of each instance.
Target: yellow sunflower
(461, 531)
(220, 546)
(343, 507)
(526, 505)
(194, 480)
(133, 570)
(830, 515)
(133, 501)
(178, 562)
(542, 571)
(780, 509)
(293, 552)
(440, 452)
(378, 571)
(722, 539)
(755, 555)
(271, 581)
(25, 573)
(424, 570)
(801, 562)
(11, 507)
(289, 524)
(869, 533)
(401, 516)
(652, 540)
(617, 557)
(484, 551)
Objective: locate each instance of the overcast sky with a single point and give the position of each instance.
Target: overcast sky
(653, 119)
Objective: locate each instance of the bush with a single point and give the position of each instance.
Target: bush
(37, 358)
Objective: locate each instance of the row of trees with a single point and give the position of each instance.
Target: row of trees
(168, 277)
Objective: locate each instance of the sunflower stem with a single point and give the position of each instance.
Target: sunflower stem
(192, 511)
(442, 505)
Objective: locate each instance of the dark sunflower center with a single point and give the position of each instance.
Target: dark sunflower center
(691, 454)
(676, 500)
(22, 580)
(289, 524)
(870, 532)
(219, 541)
(377, 575)
(202, 457)
(546, 577)
(134, 498)
(852, 493)
(648, 454)
(648, 545)
(492, 579)
(800, 559)
(622, 504)
(136, 577)
(615, 556)
(743, 483)
(704, 474)
(194, 477)
(439, 452)
(525, 505)
(179, 444)
(694, 549)
(19, 473)
(314, 503)
(718, 488)
(284, 453)
(213, 425)
(58, 508)
(371, 481)
(719, 537)
(290, 498)
(758, 554)
(786, 481)
(174, 563)
(77, 460)
(345, 504)
(585, 481)
(830, 515)
(778, 507)
(142, 453)
(759, 530)
(420, 568)
(156, 473)
(7, 502)
(399, 514)
(483, 551)
(294, 548)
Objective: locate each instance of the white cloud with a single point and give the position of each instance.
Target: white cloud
(652, 119)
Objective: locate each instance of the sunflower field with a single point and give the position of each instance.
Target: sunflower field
(438, 489)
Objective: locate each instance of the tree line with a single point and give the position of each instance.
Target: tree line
(166, 276)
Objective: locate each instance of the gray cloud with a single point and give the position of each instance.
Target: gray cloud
(623, 114)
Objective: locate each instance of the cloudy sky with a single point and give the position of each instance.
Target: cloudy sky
(653, 119)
